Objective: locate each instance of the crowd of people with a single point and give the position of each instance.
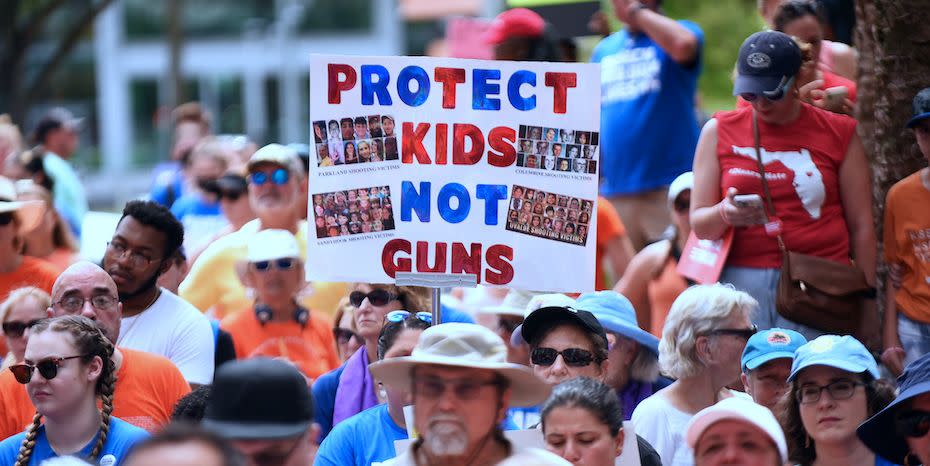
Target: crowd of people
(196, 340)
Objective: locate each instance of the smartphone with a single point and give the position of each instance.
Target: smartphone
(835, 96)
(748, 200)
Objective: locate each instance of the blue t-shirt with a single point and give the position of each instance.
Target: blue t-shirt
(648, 125)
(194, 204)
(362, 439)
(324, 399)
(121, 438)
(168, 185)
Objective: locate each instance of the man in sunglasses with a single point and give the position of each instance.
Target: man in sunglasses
(264, 408)
(461, 385)
(154, 319)
(147, 386)
(279, 326)
(276, 185)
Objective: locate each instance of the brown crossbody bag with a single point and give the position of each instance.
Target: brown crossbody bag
(813, 291)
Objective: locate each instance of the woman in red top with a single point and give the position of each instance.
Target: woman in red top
(815, 167)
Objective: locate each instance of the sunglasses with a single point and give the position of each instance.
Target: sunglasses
(743, 333)
(343, 335)
(285, 263)
(375, 297)
(772, 96)
(400, 316)
(233, 196)
(913, 423)
(16, 329)
(6, 218)
(278, 177)
(573, 357)
(47, 367)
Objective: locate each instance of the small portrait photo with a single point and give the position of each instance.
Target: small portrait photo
(521, 159)
(529, 194)
(527, 147)
(569, 228)
(574, 151)
(557, 225)
(547, 223)
(557, 149)
(584, 217)
(581, 166)
(377, 150)
(350, 153)
(563, 201)
(374, 126)
(335, 152)
(592, 167)
(531, 161)
(572, 215)
(334, 130)
(582, 137)
(390, 148)
(364, 151)
(387, 125)
(319, 131)
(516, 203)
(535, 133)
(595, 139)
(549, 211)
(524, 218)
(540, 196)
(539, 208)
(582, 231)
(527, 206)
(513, 215)
(574, 203)
(564, 165)
(550, 199)
(548, 162)
(517, 192)
(551, 135)
(361, 128)
(366, 227)
(542, 147)
(322, 155)
(561, 213)
(566, 136)
(589, 152)
(522, 131)
(587, 206)
(348, 133)
(536, 222)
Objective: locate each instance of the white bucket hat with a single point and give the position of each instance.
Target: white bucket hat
(29, 213)
(464, 345)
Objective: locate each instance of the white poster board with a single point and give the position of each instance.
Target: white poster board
(454, 166)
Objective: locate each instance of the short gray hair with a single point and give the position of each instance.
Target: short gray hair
(697, 311)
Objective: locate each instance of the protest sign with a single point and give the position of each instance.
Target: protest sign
(454, 166)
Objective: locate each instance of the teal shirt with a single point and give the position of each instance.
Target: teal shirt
(68, 191)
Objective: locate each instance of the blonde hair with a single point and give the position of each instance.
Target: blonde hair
(697, 311)
(90, 342)
(21, 294)
(342, 309)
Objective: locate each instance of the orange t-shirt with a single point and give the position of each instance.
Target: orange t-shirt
(907, 242)
(609, 227)
(311, 347)
(147, 388)
(663, 290)
(32, 272)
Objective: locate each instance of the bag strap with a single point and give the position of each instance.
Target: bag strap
(769, 205)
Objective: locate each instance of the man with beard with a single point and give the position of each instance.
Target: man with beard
(154, 319)
(277, 184)
(462, 385)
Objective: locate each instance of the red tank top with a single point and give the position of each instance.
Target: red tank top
(802, 163)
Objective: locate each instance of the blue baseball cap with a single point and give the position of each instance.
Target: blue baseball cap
(767, 61)
(842, 352)
(878, 432)
(774, 343)
(921, 107)
(616, 315)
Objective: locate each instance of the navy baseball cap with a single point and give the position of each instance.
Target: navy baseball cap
(921, 107)
(767, 61)
(878, 432)
(774, 343)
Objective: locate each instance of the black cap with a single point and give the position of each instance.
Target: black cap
(921, 107)
(767, 60)
(259, 398)
(55, 118)
(544, 317)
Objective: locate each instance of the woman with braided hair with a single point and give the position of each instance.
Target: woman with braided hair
(67, 365)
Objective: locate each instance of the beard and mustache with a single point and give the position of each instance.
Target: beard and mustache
(446, 436)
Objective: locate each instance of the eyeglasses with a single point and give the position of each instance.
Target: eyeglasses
(285, 263)
(466, 390)
(16, 329)
(772, 96)
(278, 177)
(913, 423)
(743, 333)
(839, 390)
(375, 297)
(400, 316)
(74, 304)
(136, 259)
(47, 367)
(573, 357)
(6, 218)
(343, 335)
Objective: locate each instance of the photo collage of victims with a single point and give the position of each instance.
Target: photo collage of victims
(558, 149)
(353, 212)
(360, 139)
(549, 215)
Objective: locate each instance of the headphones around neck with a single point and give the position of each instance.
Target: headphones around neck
(264, 313)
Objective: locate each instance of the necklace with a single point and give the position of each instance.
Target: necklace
(122, 334)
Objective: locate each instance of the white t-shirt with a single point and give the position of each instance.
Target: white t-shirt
(663, 426)
(173, 328)
(518, 456)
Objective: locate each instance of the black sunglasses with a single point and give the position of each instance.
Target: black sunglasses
(743, 333)
(285, 263)
(573, 357)
(913, 423)
(47, 367)
(16, 329)
(375, 297)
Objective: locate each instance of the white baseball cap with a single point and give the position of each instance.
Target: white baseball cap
(683, 182)
(272, 244)
(738, 409)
